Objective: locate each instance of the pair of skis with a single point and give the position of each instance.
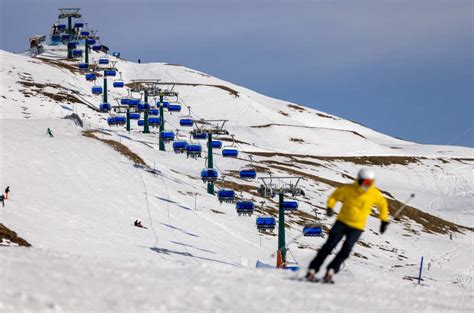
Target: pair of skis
(323, 280)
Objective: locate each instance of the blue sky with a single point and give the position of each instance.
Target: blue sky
(404, 68)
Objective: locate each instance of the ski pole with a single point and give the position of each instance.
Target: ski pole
(402, 207)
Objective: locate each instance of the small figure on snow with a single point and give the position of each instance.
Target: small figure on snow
(50, 132)
(138, 223)
(7, 191)
(55, 29)
(2, 199)
(357, 200)
(139, 61)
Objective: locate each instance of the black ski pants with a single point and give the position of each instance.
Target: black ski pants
(336, 233)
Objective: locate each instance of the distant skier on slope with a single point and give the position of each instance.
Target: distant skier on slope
(50, 132)
(7, 191)
(138, 223)
(357, 199)
(2, 200)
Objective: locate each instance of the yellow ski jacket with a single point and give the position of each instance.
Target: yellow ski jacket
(357, 204)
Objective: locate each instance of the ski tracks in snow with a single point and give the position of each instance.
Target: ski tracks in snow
(452, 259)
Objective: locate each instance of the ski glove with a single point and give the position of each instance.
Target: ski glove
(383, 227)
(329, 212)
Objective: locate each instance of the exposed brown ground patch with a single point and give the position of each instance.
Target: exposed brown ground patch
(280, 163)
(117, 146)
(356, 254)
(430, 223)
(217, 212)
(325, 116)
(462, 160)
(365, 160)
(308, 127)
(73, 68)
(298, 140)
(296, 107)
(376, 160)
(226, 139)
(57, 63)
(64, 95)
(8, 234)
(237, 187)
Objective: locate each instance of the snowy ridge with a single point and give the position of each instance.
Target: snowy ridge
(75, 198)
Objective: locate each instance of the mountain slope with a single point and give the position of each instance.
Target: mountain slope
(74, 198)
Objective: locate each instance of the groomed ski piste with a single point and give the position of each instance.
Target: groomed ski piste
(75, 197)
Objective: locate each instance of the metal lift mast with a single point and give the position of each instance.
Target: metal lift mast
(211, 127)
(269, 190)
(69, 13)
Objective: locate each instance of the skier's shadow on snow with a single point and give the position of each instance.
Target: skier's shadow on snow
(171, 252)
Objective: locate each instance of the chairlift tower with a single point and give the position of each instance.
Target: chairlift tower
(92, 35)
(123, 109)
(69, 13)
(153, 86)
(109, 67)
(162, 94)
(286, 185)
(149, 88)
(211, 127)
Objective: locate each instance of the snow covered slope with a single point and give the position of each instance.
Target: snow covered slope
(74, 198)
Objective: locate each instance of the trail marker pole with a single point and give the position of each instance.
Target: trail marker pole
(421, 270)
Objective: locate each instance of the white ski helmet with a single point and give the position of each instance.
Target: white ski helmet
(366, 173)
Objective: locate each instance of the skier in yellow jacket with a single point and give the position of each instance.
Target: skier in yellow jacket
(357, 200)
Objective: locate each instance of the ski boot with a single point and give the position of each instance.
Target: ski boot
(327, 279)
(311, 276)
